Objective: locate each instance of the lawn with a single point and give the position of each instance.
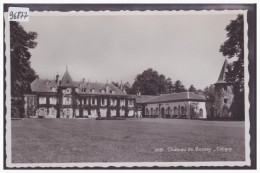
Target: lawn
(133, 140)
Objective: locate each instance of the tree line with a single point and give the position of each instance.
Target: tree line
(150, 82)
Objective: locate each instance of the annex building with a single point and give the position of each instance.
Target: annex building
(177, 105)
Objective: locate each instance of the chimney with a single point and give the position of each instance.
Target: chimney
(107, 88)
(57, 78)
(121, 86)
(83, 80)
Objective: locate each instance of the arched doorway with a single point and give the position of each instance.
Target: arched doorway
(168, 112)
(152, 115)
(163, 112)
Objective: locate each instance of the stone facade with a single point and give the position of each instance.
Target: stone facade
(223, 95)
(223, 100)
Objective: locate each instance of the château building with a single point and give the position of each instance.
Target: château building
(66, 98)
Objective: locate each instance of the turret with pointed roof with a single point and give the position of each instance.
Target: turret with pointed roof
(223, 94)
(222, 75)
(67, 80)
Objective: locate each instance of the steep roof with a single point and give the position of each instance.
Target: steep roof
(44, 85)
(222, 75)
(143, 98)
(183, 96)
(67, 80)
(41, 85)
(98, 87)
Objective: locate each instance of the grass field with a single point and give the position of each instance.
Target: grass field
(136, 140)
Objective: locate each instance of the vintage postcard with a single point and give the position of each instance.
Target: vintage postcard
(124, 88)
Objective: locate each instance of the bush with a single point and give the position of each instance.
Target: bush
(110, 118)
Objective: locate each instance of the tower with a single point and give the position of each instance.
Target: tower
(66, 94)
(223, 95)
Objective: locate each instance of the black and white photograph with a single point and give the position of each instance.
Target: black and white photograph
(124, 88)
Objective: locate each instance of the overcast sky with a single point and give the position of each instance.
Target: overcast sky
(101, 48)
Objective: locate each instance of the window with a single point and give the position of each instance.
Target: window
(76, 90)
(66, 101)
(225, 100)
(92, 91)
(113, 102)
(68, 91)
(131, 102)
(42, 100)
(53, 100)
(78, 102)
(147, 111)
(84, 101)
(175, 110)
(77, 112)
(201, 112)
(93, 101)
(84, 90)
(157, 111)
(122, 102)
(102, 91)
(103, 101)
(168, 110)
(182, 110)
(151, 111)
(162, 111)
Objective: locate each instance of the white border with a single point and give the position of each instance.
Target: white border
(247, 162)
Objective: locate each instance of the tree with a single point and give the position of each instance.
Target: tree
(209, 92)
(192, 89)
(179, 87)
(233, 48)
(21, 72)
(150, 82)
(127, 87)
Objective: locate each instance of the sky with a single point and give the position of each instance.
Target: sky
(118, 47)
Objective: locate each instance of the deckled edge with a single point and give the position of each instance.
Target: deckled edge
(247, 161)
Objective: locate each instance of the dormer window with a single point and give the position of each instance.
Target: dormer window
(92, 90)
(76, 90)
(84, 90)
(112, 92)
(54, 89)
(102, 91)
(68, 91)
